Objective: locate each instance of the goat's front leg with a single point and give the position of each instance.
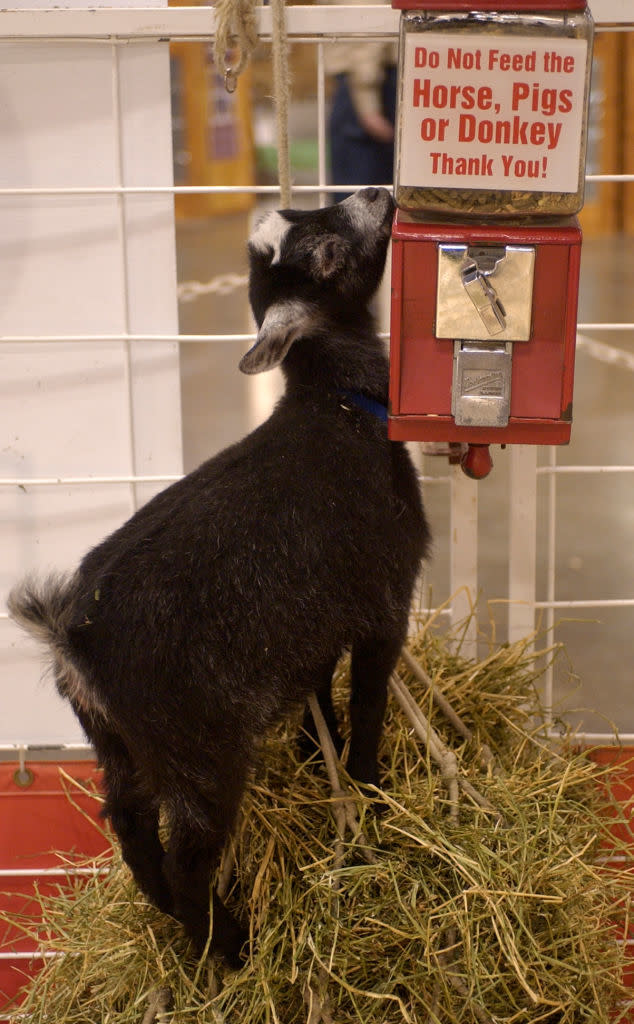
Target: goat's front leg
(372, 664)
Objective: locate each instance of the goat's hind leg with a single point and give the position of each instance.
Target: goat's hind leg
(133, 812)
(200, 826)
(135, 819)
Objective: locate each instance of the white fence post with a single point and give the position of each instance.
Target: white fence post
(464, 556)
(522, 541)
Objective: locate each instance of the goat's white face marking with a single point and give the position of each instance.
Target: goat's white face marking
(270, 234)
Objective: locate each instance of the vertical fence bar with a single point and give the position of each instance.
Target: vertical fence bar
(322, 171)
(123, 249)
(551, 556)
(522, 541)
(464, 557)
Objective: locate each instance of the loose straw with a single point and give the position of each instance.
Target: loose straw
(343, 804)
(443, 705)
(452, 922)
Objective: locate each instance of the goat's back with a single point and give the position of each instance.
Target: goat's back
(263, 563)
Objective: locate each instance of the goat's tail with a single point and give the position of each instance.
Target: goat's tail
(43, 608)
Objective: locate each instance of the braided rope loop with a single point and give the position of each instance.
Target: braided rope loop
(236, 38)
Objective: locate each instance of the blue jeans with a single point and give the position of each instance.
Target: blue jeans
(355, 156)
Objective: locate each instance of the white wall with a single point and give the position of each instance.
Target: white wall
(79, 265)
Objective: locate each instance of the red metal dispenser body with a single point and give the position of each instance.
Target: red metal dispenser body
(428, 367)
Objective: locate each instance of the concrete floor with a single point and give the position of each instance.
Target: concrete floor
(595, 519)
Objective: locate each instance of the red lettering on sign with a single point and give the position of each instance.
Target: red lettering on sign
(464, 97)
(467, 60)
(424, 57)
(546, 101)
(499, 60)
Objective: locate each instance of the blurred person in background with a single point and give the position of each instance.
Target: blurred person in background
(363, 112)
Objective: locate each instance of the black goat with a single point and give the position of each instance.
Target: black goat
(229, 597)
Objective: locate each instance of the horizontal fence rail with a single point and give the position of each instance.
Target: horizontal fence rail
(167, 24)
(195, 190)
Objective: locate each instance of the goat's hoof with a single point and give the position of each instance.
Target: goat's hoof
(372, 793)
(234, 948)
(378, 804)
(160, 897)
(230, 937)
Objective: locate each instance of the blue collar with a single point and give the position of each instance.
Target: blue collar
(367, 404)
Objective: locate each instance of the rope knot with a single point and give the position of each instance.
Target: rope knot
(236, 38)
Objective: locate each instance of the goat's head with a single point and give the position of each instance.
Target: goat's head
(308, 267)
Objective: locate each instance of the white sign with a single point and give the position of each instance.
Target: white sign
(491, 112)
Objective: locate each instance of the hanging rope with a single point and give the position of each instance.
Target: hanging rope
(235, 41)
(281, 90)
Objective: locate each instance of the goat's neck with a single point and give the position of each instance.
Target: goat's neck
(339, 361)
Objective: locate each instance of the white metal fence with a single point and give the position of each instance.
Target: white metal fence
(527, 550)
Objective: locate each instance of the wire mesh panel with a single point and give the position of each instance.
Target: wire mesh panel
(85, 411)
(547, 538)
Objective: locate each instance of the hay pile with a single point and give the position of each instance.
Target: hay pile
(500, 916)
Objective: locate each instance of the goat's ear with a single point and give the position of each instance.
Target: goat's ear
(282, 324)
(329, 256)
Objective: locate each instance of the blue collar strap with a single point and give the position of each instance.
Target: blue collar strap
(367, 404)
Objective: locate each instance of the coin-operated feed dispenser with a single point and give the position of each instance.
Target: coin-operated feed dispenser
(490, 162)
(485, 320)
